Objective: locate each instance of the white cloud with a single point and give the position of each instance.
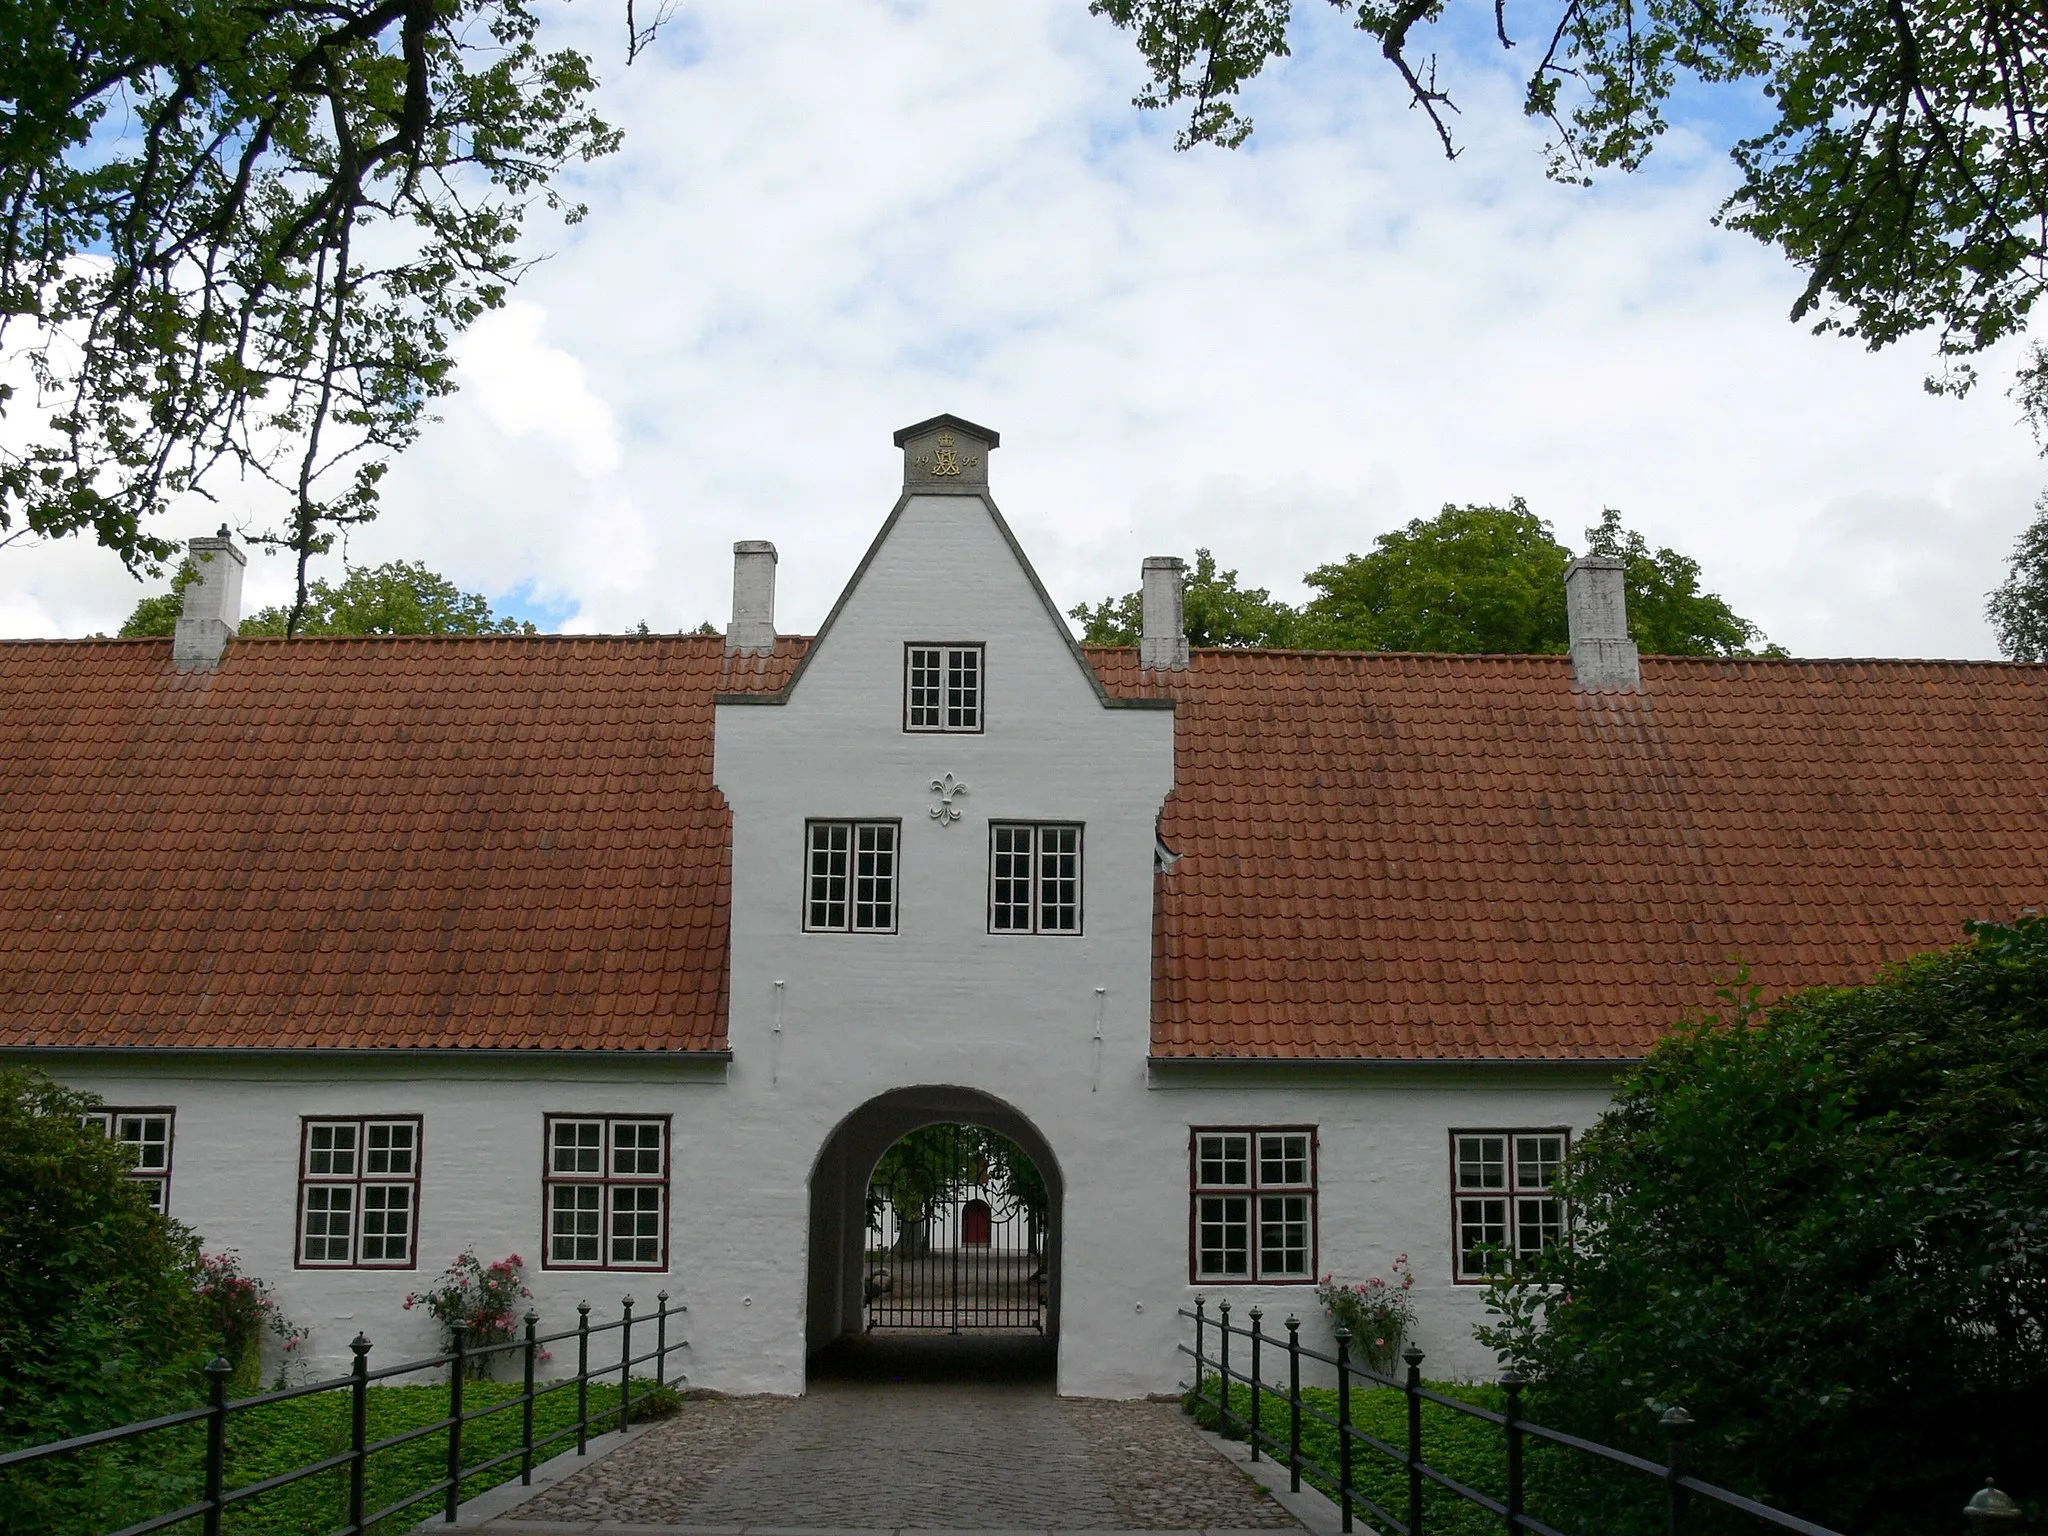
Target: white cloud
(834, 217)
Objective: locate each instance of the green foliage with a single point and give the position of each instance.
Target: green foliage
(2018, 609)
(99, 1321)
(1471, 579)
(1904, 169)
(241, 1310)
(1477, 579)
(1217, 612)
(1824, 1232)
(243, 234)
(398, 598)
(157, 617)
(274, 1439)
(1565, 1489)
(935, 1162)
(1377, 1310)
(1668, 614)
(483, 1297)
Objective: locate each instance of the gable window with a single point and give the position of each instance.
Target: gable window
(851, 884)
(607, 1192)
(1503, 1206)
(1034, 877)
(1252, 1205)
(146, 1136)
(359, 1189)
(942, 687)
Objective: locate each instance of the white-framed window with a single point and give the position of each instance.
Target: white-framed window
(1034, 877)
(850, 881)
(1502, 1200)
(606, 1192)
(359, 1192)
(941, 687)
(146, 1136)
(1252, 1204)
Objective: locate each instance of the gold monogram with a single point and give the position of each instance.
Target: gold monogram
(946, 460)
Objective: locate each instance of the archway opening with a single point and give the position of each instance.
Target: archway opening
(956, 1235)
(934, 1243)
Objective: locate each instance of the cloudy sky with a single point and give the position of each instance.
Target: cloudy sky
(835, 217)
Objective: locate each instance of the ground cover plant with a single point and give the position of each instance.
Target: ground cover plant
(102, 1494)
(1822, 1229)
(1561, 1487)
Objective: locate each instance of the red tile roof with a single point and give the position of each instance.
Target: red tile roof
(495, 842)
(515, 843)
(1463, 857)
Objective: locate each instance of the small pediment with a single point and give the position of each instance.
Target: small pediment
(946, 454)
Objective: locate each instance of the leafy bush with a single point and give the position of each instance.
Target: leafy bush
(242, 1311)
(483, 1297)
(1378, 1311)
(99, 1321)
(1824, 1232)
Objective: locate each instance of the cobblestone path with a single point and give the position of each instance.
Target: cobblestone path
(873, 1456)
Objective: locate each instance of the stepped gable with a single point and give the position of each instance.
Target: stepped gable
(1456, 857)
(494, 842)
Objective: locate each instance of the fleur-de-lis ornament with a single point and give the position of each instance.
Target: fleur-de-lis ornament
(948, 789)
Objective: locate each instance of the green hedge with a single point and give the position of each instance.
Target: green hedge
(92, 1494)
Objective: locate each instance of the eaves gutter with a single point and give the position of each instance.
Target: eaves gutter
(381, 1052)
(1171, 1064)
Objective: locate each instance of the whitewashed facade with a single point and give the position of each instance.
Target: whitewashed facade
(842, 1041)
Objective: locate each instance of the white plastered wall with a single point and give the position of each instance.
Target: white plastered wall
(822, 1024)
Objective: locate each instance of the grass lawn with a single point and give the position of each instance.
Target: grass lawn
(100, 1493)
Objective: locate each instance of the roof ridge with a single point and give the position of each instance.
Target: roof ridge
(1565, 657)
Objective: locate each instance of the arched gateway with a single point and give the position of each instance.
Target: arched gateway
(845, 1277)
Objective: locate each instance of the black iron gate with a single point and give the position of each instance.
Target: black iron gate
(956, 1235)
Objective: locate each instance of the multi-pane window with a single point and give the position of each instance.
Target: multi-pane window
(607, 1192)
(1253, 1215)
(1502, 1199)
(851, 884)
(359, 1193)
(942, 688)
(1034, 878)
(145, 1134)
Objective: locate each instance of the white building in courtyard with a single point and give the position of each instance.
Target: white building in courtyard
(631, 955)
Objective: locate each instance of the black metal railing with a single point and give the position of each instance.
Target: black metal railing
(1516, 1430)
(458, 1361)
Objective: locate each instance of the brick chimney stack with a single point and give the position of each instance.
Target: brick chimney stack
(1596, 607)
(753, 597)
(213, 604)
(1165, 642)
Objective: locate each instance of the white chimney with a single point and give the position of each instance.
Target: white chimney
(213, 604)
(753, 597)
(1165, 642)
(1596, 608)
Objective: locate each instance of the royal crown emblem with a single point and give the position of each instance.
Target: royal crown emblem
(945, 458)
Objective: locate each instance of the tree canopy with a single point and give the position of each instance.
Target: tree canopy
(242, 235)
(2018, 607)
(1822, 1229)
(397, 598)
(1216, 612)
(1902, 168)
(100, 1323)
(1471, 579)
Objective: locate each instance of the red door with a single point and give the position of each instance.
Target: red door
(974, 1224)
